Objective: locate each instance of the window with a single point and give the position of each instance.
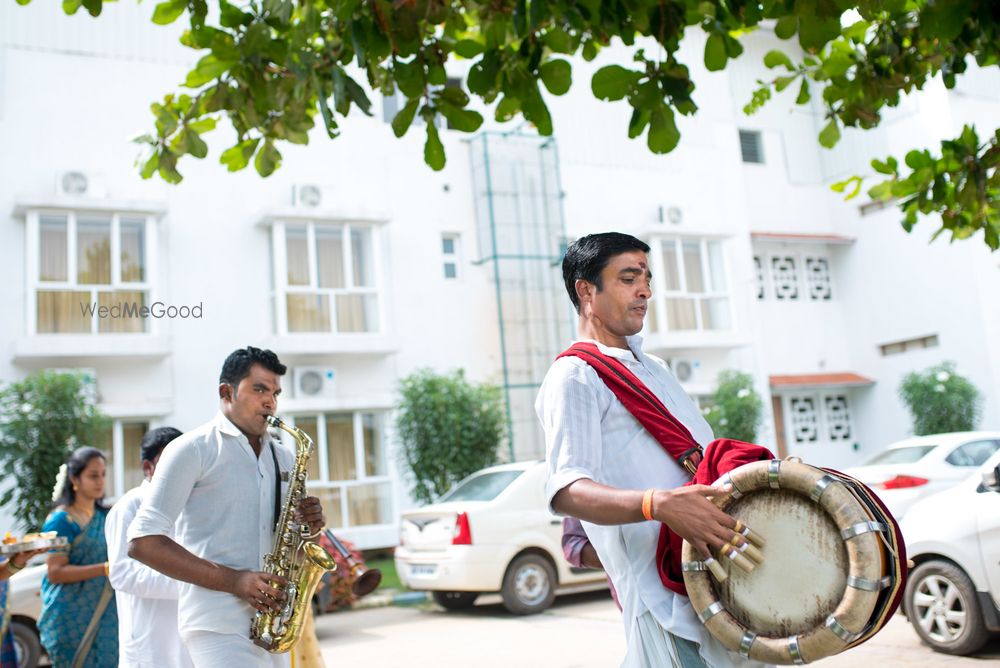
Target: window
(450, 253)
(908, 345)
(326, 278)
(690, 289)
(822, 418)
(89, 272)
(907, 455)
(120, 444)
(785, 276)
(751, 147)
(972, 454)
(349, 468)
(483, 487)
(791, 277)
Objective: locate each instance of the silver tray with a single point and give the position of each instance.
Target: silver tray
(38, 544)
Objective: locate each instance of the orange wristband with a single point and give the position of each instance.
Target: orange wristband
(107, 569)
(647, 504)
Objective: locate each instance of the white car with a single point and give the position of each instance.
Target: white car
(491, 533)
(918, 467)
(24, 597)
(952, 597)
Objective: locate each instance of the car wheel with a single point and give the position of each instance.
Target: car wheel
(941, 605)
(529, 586)
(26, 645)
(455, 600)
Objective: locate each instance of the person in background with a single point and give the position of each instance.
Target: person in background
(580, 552)
(147, 599)
(8, 657)
(79, 621)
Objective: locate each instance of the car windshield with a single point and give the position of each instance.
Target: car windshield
(901, 455)
(483, 487)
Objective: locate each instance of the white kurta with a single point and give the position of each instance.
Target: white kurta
(146, 598)
(590, 434)
(221, 495)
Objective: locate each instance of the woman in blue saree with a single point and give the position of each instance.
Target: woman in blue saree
(79, 620)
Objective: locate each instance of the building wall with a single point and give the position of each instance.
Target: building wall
(74, 90)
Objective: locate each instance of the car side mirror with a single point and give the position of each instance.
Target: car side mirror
(991, 479)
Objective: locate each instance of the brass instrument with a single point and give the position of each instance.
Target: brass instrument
(294, 556)
(364, 580)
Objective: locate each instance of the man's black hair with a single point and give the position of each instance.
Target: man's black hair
(587, 257)
(237, 365)
(155, 440)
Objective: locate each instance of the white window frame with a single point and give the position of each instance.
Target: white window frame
(34, 285)
(279, 264)
(361, 475)
(660, 293)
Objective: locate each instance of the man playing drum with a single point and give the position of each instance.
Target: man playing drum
(607, 470)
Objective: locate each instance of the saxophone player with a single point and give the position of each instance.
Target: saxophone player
(223, 483)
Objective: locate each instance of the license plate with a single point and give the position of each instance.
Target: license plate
(423, 569)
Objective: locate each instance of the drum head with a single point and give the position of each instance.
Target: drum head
(799, 584)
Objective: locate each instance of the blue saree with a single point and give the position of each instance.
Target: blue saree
(79, 621)
(8, 657)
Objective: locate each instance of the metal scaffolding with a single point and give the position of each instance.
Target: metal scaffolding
(521, 236)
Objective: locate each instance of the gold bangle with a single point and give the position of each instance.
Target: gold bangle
(647, 504)
(14, 568)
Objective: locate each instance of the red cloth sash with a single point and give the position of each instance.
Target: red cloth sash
(720, 456)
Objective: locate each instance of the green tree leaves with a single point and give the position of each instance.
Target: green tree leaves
(940, 400)
(270, 67)
(736, 410)
(45, 417)
(448, 428)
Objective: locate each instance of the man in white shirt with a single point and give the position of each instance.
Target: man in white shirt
(147, 599)
(601, 459)
(218, 483)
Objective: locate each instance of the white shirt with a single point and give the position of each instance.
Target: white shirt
(590, 434)
(146, 598)
(221, 495)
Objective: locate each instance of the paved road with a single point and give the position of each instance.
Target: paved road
(579, 631)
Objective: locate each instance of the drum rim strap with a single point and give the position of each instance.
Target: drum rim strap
(690, 566)
(869, 585)
(862, 527)
(795, 651)
(838, 629)
(821, 485)
(774, 474)
(746, 643)
(711, 611)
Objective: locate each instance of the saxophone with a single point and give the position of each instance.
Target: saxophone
(294, 556)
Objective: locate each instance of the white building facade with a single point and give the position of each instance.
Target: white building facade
(357, 264)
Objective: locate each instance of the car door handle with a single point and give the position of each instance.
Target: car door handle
(555, 522)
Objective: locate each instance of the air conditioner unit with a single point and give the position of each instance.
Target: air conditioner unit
(313, 381)
(685, 369)
(307, 196)
(671, 214)
(76, 183)
(88, 379)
